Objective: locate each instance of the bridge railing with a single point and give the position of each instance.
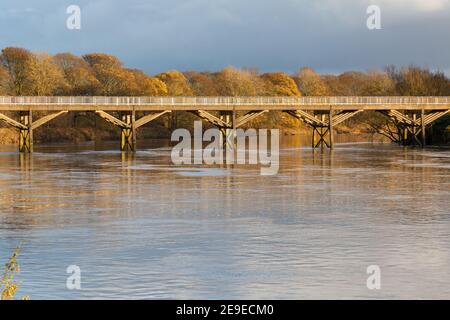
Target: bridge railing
(211, 101)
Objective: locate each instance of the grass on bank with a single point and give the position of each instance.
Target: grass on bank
(9, 287)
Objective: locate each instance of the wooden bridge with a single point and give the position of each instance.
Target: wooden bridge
(411, 115)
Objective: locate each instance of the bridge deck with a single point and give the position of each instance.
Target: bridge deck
(82, 103)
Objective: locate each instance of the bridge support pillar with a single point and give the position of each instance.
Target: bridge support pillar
(322, 131)
(227, 122)
(423, 126)
(26, 132)
(128, 125)
(128, 133)
(323, 123)
(228, 132)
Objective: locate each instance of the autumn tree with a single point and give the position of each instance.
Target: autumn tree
(78, 74)
(310, 83)
(176, 82)
(5, 81)
(415, 81)
(109, 72)
(18, 63)
(202, 83)
(237, 82)
(46, 78)
(279, 84)
(144, 85)
(377, 83)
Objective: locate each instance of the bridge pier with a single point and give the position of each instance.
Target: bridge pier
(128, 125)
(228, 122)
(228, 131)
(322, 133)
(26, 132)
(322, 124)
(26, 126)
(128, 133)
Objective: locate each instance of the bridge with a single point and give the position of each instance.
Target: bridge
(411, 115)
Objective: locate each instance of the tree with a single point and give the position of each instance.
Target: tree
(103, 59)
(202, 83)
(377, 83)
(143, 85)
(18, 63)
(78, 74)
(5, 81)
(311, 84)
(236, 82)
(415, 81)
(109, 72)
(280, 84)
(176, 82)
(46, 78)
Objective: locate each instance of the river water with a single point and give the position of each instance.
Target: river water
(141, 228)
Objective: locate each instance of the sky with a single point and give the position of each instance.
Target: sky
(330, 36)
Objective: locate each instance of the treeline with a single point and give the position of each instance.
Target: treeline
(25, 73)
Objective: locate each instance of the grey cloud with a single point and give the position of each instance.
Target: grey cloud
(328, 35)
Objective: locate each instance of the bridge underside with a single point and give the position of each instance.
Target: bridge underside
(410, 125)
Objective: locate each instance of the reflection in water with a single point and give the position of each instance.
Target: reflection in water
(140, 227)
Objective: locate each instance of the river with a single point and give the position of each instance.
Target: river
(139, 227)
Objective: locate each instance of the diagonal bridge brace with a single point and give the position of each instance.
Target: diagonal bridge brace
(216, 121)
(322, 124)
(223, 124)
(412, 127)
(148, 118)
(26, 127)
(128, 125)
(12, 122)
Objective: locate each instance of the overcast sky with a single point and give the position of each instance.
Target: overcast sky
(328, 35)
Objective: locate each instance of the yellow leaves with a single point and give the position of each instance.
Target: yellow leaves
(78, 74)
(176, 82)
(106, 60)
(9, 288)
(311, 83)
(45, 76)
(156, 87)
(280, 84)
(236, 82)
(17, 62)
(142, 85)
(5, 81)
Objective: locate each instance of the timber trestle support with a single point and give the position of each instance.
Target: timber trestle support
(128, 125)
(412, 125)
(322, 124)
(227, 122)
(26, 126)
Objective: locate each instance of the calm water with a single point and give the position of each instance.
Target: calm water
(139, 227)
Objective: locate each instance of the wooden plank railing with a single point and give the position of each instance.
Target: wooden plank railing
(221, 101)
